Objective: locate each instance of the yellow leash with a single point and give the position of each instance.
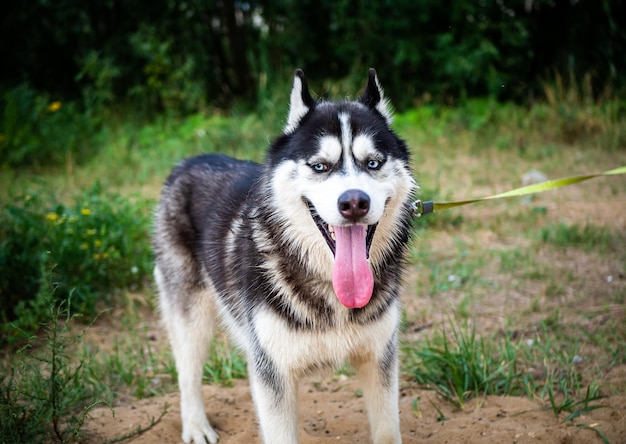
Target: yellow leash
(420, 208)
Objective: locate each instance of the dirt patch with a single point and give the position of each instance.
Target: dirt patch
(331, 411)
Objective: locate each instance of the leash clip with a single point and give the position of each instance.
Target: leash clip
(419, 208)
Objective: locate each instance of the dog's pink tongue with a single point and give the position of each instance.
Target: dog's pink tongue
(352, 278)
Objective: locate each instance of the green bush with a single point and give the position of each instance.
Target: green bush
(94, 247)
(38, 131)
(169, 83)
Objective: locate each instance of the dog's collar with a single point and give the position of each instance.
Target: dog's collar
(419, 208)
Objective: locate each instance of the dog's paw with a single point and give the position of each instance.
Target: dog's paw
(200, 432)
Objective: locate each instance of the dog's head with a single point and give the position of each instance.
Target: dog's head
(340, 167)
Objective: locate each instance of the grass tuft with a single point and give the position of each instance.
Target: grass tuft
(224, 364)
(459, 365)
(588, 237)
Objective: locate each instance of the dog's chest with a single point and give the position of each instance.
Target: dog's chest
(301, 350)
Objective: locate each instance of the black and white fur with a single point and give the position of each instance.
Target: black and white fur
(255, 246)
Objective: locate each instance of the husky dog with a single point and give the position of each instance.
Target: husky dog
(300, 257)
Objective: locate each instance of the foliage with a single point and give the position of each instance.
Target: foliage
(572, 120)
(183, 54)
(46, 396)
(73, 66)
(37, 131)
(169, 83)
(97, 76)
(95, 246)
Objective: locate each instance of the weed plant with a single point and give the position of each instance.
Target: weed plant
(51, 385)
(96, 246)
(46, 395)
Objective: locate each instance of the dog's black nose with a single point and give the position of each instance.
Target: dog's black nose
(353, 204)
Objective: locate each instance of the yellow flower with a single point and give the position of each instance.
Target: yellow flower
(54, 106)
(91, 232)
(85, 211)
(97, 243)
(52, 216)
(84, 246)
(96, 256)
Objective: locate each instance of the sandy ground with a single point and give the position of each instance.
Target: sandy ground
(331, 411)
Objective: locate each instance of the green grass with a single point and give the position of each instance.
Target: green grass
(224, 364)
(137, 367)
(459, 365)
(588, 237)
(458, 270)
(148, 153)
(137, 364)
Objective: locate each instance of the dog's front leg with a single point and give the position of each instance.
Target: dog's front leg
(275, 397)
(378, 376)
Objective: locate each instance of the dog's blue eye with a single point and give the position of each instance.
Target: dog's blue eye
(374, 164)
(320, 167)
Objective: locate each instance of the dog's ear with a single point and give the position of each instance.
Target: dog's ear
(300, 102)
(373, 96)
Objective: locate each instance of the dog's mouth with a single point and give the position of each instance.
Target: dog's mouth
(328, 231)
(352, 278)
